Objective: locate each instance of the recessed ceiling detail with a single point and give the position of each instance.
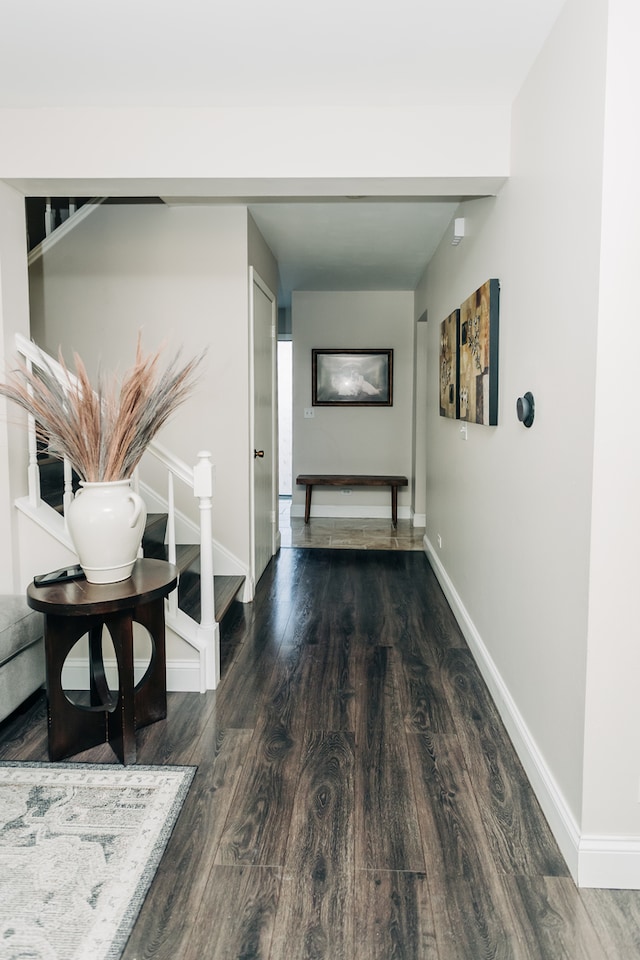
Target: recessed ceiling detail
(352, 246)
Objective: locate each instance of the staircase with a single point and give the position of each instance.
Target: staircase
(193, 611)
(50, 218)
(44, 215)
(226, 588)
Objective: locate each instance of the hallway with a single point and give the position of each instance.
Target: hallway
(357, 796)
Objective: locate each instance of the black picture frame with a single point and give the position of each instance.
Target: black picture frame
(352, 378)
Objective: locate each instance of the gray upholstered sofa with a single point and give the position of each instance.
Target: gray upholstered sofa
(22, 668)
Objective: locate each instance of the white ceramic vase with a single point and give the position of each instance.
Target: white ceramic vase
(106, 522)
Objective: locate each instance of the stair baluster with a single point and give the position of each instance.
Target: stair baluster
(49, 218)
(203, 490)
(68, 485)
(171, 538)
(33, 474)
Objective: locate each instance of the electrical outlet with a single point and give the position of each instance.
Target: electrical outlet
(463, 431)
(309, 413)
(439, 541)
(346, 492)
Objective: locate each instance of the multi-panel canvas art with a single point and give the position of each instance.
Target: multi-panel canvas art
(469, 358)
(449, 366)
(478, 355)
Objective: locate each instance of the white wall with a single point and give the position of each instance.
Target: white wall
(260, 257)
(512, 505)
(612, 758)
(203, 144)
(352, 439)
(179, 274)
(14, 318)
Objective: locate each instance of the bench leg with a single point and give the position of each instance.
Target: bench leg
(394, 505)
(307, 503)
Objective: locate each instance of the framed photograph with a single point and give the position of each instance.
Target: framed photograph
(478, 349)
(449, 366)
(352, 378)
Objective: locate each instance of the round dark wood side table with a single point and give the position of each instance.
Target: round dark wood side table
(76, 608)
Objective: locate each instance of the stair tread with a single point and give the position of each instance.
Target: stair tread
(155, 519)
(226, 589)
(186, 553)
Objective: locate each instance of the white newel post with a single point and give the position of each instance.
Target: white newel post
(209, 630)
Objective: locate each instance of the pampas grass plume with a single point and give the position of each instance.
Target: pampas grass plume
(102, 432)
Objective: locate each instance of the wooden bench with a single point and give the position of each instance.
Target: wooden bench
(311, 480)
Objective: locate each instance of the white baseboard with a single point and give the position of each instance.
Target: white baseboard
(183, 676)
(556, 810)
(350, 513)
(248, 591)
(419, 519)
(609, 862)
(606, 862)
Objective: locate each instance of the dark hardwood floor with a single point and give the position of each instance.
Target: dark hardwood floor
(357, 796)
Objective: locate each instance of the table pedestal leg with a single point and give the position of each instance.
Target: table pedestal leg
(151, 689)
(145, 702)
(72, 728)
(307, 502)
(121, 722)
(100, 695)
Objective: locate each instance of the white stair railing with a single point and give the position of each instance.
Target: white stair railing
(199, 479)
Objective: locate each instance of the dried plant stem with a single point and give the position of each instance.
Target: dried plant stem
(102, 432)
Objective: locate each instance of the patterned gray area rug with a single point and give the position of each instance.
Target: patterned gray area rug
(79, 845)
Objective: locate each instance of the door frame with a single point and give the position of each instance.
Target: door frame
(255, 278)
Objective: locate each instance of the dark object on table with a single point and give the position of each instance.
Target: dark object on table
(73, 572)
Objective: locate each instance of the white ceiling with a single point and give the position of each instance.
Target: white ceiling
(353, 245)
(248, 52)
(244, 53)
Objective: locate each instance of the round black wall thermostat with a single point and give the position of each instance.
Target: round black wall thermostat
(526, 408)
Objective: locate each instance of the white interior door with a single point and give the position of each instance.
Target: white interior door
(264, 447)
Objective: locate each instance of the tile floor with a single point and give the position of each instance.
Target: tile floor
(345, 534)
